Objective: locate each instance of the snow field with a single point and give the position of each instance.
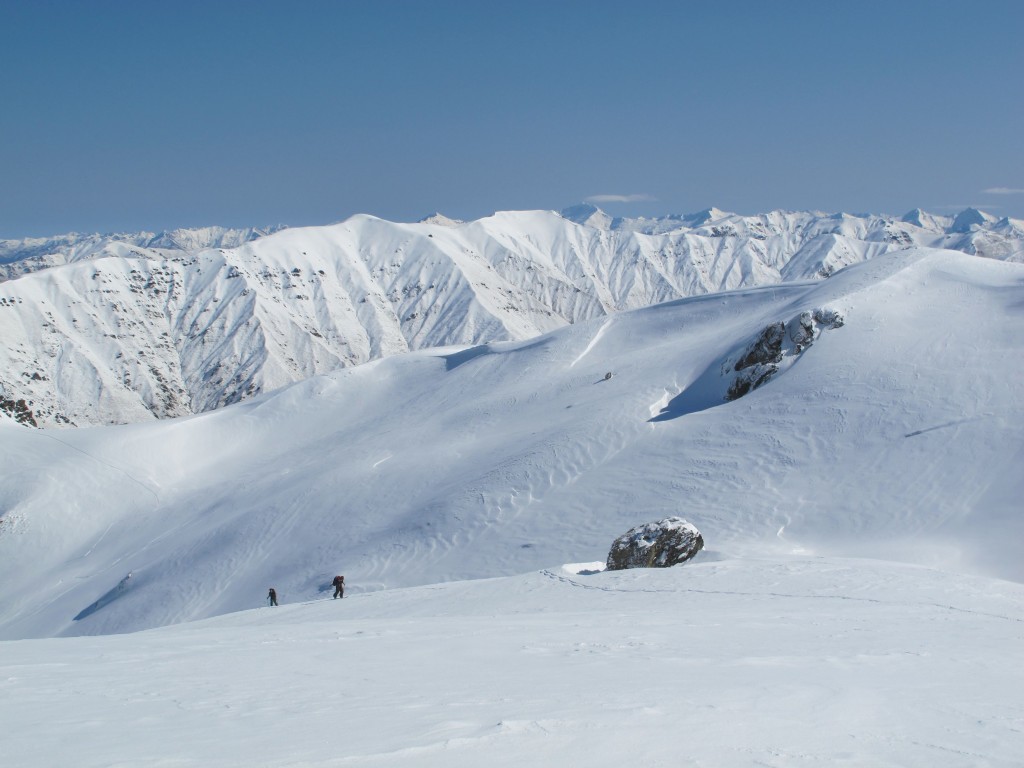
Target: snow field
(781, 661)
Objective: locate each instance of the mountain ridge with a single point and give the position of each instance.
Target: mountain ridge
(126, 330)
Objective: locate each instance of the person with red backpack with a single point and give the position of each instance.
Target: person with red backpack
(339, 586)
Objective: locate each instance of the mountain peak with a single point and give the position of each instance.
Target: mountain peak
(703, 217)
(969, 218)
(588, 215)
(440, 220)
(928, 221)
(916, 217)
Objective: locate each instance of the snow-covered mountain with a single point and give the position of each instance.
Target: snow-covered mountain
(136, 327)
(849, 448)
(876, 413)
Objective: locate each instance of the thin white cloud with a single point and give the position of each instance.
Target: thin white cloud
(620, 198)
(1003, 191)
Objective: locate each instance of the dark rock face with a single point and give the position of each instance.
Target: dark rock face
(662, 544)
(19, 411)
(777, 346)
(765, 349)
(759, 362)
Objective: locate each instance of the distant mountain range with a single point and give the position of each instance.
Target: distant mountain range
(18, 257)
(105, 329)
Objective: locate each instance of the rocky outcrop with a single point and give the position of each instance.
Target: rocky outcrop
(776, 347)
(759, 361)
(660, 544)
(18, 410)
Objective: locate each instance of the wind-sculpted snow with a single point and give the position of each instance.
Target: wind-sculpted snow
(897, 434)
(124, 330)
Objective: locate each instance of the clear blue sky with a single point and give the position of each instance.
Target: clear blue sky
(134, 115)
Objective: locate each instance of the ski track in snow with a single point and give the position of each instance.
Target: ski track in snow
(122, 470)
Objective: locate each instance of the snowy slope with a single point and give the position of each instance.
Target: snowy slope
(130, 330)
(790, 662)
(889, 428)
(896, 434)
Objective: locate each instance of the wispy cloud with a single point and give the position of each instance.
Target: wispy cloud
(1003, 191)
(620, 198)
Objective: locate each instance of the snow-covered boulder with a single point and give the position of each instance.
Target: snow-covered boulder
(661, 544)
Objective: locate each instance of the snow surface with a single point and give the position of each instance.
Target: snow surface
(783, 661)
(859, 600)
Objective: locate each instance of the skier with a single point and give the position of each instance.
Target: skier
(272, 596)
(339, 586)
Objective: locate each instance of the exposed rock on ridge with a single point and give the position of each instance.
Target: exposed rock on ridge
(777, 346)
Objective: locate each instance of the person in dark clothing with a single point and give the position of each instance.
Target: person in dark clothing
(272, 596)
(339, 586)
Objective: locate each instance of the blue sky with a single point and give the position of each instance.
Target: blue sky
(121, 116)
